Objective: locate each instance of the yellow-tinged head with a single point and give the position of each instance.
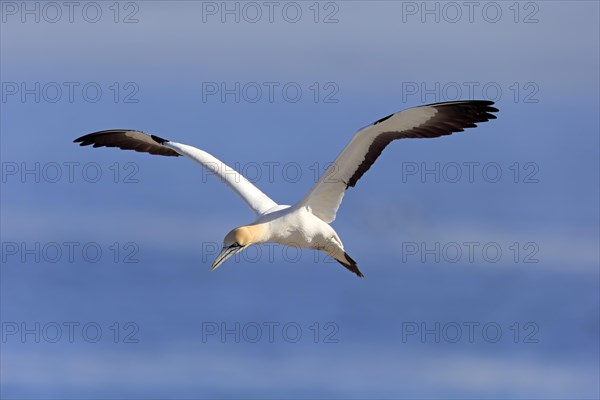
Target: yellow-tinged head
(238, 239)
(242, 236)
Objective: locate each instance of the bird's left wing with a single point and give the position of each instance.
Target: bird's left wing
(139, 141)
(427, 121)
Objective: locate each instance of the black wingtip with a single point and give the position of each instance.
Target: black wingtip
(158, 139)
(82, 138)
(475, 101)
(88, 139)
(380, 120)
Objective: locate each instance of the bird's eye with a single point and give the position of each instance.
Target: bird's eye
(236, 244)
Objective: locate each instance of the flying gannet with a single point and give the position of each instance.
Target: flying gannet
(306, 224)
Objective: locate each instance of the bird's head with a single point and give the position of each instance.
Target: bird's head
(237, 240)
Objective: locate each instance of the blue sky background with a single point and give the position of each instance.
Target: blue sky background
(173, 213)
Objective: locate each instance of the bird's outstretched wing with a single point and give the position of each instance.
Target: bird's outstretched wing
(428, 121)
(139, 141)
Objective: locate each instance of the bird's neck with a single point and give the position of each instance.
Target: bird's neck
(259, 233)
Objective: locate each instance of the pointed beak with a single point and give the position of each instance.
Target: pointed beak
(225, 253)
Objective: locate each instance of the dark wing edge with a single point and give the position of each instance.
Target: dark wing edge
(452, 116)
(126, 139)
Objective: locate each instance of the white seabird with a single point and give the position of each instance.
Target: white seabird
(306, 224)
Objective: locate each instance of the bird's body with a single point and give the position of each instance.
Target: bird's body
(307, 223)
(298, 227)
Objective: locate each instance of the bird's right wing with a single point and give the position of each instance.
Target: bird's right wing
(139, 141)
(428, 121)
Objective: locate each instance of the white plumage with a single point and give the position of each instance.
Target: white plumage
(306, 224)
